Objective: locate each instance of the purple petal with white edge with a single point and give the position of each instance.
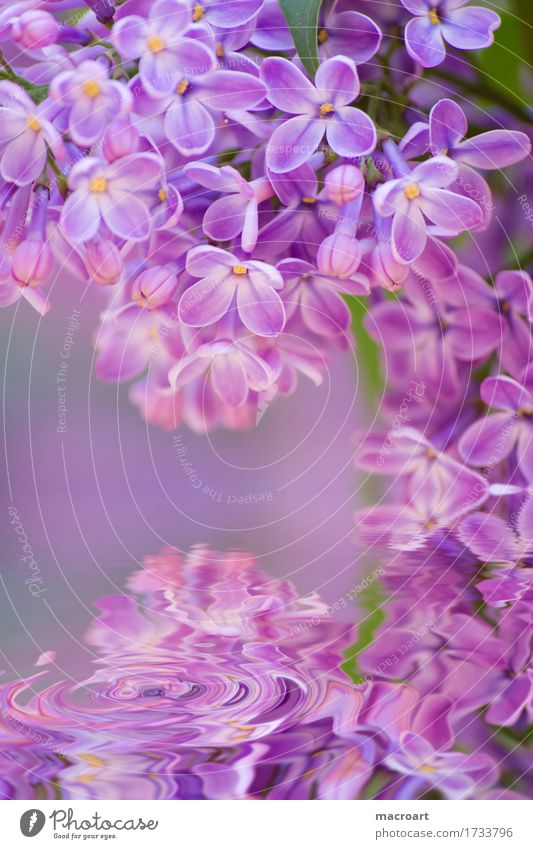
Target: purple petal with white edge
(424, 42)
(224, 219)
(206, 260)
(409, 234)
(350, 132)
(447, 126)
(437, 172)
(390, 198)
(189, 127)
(472, 185)
(417, 7)
(12, 94)
(288, 88)
(489, 537)
(24, 158)
(217, 179)
(488, 440)
(416, 141)
(188, 368)
(80, 217)
(337, 81)
(220, 88)
(495, 149)
(129, 37)
(86, 124)
(137, 172)
(470, 28)
(206, 301)
(231, 13)
(515, 287)
(524, 451)
(293, 143)
(352, 34)
(250, 230)
(260, 375)
(126, 215)
(446, 209)
(260, 307)
(474, 334)
(172, 17)
(504, 393)
(263, 272)
(271, 30)
(229, 379)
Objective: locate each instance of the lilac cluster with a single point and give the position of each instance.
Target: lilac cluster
(233, 202)
(214, 681)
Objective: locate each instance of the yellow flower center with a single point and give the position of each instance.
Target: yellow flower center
(94, 761)
(198, 12)
(524, 411)
(326, 109)
(323, 35)
(433, 17)
(182, 87)
(162, 195)
(308, 200)
(426, 768)
(411, 191)
(240, 270)
(91, 88)
(98, 185)
(155, 44)
(34, 124)
(220, 50)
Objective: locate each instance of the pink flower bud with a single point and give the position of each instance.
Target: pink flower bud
(35, 29)
(154, 287)
(120, 139)
(339, 255)
(103, 262)
(388, 272)
(344, 184)
(33, 262)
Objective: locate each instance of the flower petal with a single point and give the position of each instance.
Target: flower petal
(337, 81)
(293, 143)
(449, 210)
(350, 132)
(409, 234)
(424, 42)
(229, 379)
(189, 127)
(260, 307)
(470, 28)
(288, 88)
(206, 301)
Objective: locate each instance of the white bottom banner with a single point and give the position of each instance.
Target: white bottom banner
(261, 825)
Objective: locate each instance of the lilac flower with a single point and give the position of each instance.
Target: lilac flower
(421, 196)
(317, 296)
(227, 280)
(159, 44)
(236, 212)
(25, 136)
(234, 370)
(91, 98)
(110, 192)
(199, 90)
(457, 775)
(432, 476)
(347, 34)
(440, 21)
(318, 109)
(508, 298)
(492, 438)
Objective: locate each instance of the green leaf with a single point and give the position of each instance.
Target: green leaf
(302, 19)
(370, 602)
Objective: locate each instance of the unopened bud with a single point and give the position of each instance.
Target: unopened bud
(154, 287)
(103, 262)
(339, 255)
(35, 29)
(344, 184)
(33, 262)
